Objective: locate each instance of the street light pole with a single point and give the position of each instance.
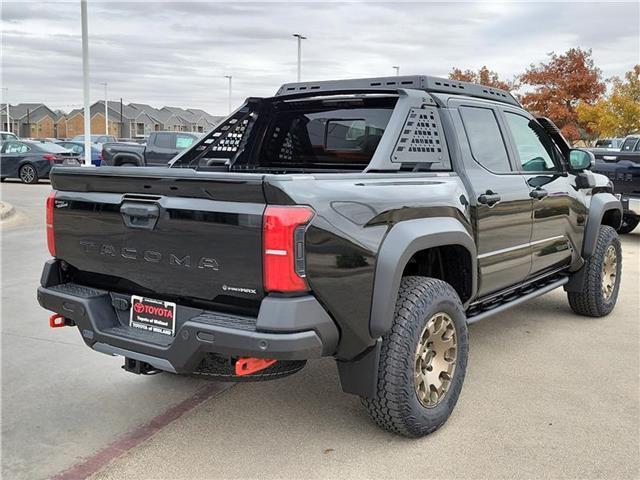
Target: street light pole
(6, 106)
(230, 78)
(300, 38)
(85, 84)
(106, 109)
(397, 68)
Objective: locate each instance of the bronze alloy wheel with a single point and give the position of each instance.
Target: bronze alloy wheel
(609, 272)
(435, 360)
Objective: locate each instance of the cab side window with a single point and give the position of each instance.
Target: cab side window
(628, 144)
(535, 149)
(183, 141)
(15, 147)
(164, 140)
(485, 140)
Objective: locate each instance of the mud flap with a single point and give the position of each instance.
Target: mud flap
(360, 376)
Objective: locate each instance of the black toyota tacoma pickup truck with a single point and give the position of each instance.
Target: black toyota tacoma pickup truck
(366, 220)
(623, 169)
(159, 150)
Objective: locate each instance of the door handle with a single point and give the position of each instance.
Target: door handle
(490, 198)
(538, 193)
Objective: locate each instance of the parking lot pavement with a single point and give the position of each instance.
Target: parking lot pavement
(61, 402)
(548, 394)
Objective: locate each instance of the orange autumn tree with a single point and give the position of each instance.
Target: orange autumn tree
(560, 85)
(618, 114)
(484, 76)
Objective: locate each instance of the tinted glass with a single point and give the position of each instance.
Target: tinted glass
(183, 141)
(326, 133)
(75, 148)
(535, 156)
(94, 138)
(164, 140)
(15, 147)
(49, 147)
(628, 144)
(485, 139)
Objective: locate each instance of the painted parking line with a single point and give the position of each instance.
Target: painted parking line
(135, 437)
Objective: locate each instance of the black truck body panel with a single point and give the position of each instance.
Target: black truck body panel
(193, 234)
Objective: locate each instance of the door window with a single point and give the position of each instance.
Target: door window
(535, 150)
(164, 140)
(485, 140)
(628, 144)
(183, 141)
(15, 147)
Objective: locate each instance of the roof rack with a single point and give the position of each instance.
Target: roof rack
(417, 82)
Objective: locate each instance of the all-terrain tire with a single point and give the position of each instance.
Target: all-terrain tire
(629, 223)
(592, 301)
(396, 406)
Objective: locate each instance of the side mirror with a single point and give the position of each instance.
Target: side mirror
(580, 160)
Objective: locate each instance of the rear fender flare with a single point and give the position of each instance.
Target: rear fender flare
(120, 158)
(401, 243)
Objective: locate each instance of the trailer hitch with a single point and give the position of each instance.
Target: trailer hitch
(139, 367)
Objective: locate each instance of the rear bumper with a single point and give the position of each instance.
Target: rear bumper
(285, 328)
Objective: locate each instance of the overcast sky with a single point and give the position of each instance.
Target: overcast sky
(178, 53)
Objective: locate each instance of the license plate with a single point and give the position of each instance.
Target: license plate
(153, 315)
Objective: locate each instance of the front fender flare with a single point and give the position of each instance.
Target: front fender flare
(401, 243)
(600, 204)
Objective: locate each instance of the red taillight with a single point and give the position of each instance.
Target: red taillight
(283, 242)
(51, 158)
(51, 241)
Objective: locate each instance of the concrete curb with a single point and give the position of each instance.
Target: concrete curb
(6, 210)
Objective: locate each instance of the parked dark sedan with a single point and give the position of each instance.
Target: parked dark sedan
(78, 149)
(30, 160)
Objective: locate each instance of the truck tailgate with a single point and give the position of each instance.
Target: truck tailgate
(166, 233)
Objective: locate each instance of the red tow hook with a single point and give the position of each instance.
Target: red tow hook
(249, 365)
(56, 321)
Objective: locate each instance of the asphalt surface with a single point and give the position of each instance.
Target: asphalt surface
(548, 394)
(61, 402)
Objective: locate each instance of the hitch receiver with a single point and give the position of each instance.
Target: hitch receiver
(138, 367)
